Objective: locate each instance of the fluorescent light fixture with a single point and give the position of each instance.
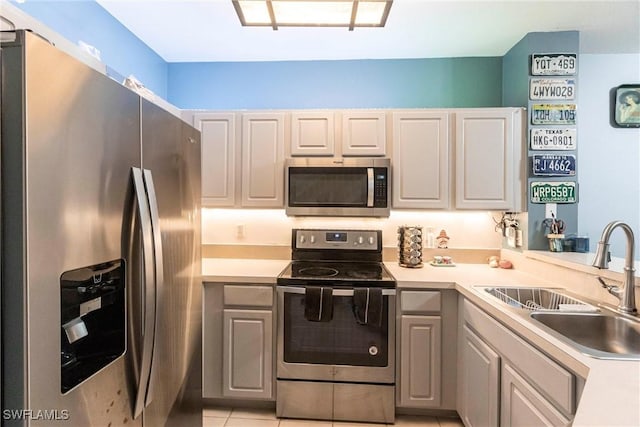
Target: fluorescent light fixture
(313, 13)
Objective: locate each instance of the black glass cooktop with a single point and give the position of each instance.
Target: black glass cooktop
(336, 273)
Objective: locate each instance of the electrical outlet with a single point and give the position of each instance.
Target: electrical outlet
(551, 210)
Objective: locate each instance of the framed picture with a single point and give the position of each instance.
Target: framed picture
(626, 110)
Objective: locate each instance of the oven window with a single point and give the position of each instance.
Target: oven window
(309, 187)
(341, 341)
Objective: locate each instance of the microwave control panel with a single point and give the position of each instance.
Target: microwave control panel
(380, 187)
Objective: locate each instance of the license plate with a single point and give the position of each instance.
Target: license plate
(549, 64)
(553, 192)
(554, 165)
(553, 139)
(553, 114)
(560, 89)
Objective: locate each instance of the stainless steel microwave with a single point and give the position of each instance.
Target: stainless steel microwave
(338, 187)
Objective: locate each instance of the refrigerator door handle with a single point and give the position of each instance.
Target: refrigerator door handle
(148, 319)
(159, 271)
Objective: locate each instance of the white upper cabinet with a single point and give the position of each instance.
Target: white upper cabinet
(263, 159)
(312, 133)
(364, 133)
(489, 162)
(421, 159)
(218, 157)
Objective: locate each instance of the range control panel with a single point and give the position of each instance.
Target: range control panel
(337, 239)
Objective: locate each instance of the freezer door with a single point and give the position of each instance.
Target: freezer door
(171, 154)
(72, 139)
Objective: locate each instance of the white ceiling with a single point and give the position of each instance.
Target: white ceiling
(209, 30)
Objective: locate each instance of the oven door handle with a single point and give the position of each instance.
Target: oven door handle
(336, 292)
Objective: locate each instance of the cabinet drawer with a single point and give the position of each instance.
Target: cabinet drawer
(420, 301)
(548, 377)
(254, 296)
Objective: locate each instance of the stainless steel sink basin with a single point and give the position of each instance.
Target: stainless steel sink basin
(603, 335)
(544, 299)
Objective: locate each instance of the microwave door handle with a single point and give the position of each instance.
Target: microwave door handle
(370, 187)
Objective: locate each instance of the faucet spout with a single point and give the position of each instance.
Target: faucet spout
(626, 295)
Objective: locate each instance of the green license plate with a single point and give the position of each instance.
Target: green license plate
(553, 192)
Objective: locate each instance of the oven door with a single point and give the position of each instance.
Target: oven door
(337, 350)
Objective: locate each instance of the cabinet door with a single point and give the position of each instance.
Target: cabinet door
(312, 133)
(263, 160)
(478, 378)
(420, 361)
(489, 165)
(218, 132)
(421, 159)
(522, 406)
(247, 354)
(364, 133)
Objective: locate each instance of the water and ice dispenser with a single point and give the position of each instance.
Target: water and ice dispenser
(93, 320)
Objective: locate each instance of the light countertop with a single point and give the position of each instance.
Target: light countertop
(611, 396)
(236, 270)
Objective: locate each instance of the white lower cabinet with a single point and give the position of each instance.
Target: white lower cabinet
(479, 376)
(420, 361)
(523, 406)
(247, 358)
(503, 380)
(426, 349)
(238, 342)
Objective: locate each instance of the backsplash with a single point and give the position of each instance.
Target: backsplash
(271, 227)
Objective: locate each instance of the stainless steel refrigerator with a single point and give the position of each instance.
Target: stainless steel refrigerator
(101, 278)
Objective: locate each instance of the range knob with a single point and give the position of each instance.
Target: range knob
(360, 240)
(312, 238)
(371, 240)
(302, 238)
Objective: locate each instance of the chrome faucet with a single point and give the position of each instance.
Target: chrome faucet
(626, 295)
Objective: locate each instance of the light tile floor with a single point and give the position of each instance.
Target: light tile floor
(228, 417)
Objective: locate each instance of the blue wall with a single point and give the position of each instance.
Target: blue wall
(399, 83)
(120, 49)
(402, 83)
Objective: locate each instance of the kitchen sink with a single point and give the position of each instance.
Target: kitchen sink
(538, 299)
(594, 330)
(604, 335)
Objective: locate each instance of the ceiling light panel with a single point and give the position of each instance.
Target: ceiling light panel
(330, 13)
(312, 13)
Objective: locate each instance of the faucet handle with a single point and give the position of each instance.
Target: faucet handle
(612, 289)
